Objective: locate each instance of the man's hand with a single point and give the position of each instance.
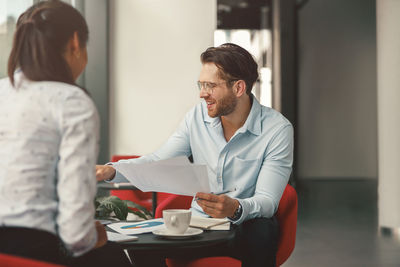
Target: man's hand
(104, 172)
(217, 206)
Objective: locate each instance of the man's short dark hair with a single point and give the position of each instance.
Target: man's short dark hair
(234, 63)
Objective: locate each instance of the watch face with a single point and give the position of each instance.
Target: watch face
(238, 213)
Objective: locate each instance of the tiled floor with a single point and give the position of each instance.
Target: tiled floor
(337, 226)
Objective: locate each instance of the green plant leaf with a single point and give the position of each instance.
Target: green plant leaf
(140, 214)
(134, 205)
(113, 204)
(106, 205)
(102, 212)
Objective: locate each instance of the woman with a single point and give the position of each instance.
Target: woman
(49, 134)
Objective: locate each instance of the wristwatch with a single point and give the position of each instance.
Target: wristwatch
(238, 213)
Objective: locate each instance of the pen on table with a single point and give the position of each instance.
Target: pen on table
(208, 227)
(216, 224)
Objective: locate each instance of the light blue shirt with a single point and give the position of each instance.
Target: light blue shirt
(257, 160)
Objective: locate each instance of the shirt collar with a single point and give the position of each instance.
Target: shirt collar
(252, 123)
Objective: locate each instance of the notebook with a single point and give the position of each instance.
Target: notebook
(210, 223)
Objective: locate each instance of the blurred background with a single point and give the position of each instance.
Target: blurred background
(330, 66)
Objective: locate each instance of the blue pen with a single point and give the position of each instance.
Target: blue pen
(220, 193)
(224, 192)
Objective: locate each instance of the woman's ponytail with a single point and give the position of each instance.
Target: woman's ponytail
(42, 34)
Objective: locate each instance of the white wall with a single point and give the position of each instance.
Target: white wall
(337, 113)
(388, 38)
(154, 64)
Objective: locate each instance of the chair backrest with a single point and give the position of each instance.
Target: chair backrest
(172, 202)
(115, 158)
(7, 260)
(287, 217)
(139, 197)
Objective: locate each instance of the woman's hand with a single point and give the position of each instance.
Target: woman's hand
(101, 235)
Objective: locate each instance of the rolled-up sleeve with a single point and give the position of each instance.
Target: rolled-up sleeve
(76, 185)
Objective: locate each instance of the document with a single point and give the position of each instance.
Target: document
(176, 176)
(134, 228)
(210, 223)
(115, 237)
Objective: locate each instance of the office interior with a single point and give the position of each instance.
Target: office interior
(330, 66)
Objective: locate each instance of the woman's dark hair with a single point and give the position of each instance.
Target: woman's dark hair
(234, 63)
(40, 40)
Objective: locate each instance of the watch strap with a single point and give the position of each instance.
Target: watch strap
(238, 213)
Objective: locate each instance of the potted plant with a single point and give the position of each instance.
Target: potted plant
(112, 207)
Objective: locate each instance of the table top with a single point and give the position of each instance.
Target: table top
(151, 241)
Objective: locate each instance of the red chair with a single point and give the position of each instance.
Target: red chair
(142, 198)
(15, 261)
(173, 201)
(287, 218)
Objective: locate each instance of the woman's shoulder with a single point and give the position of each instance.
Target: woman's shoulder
(60, 89)
(4, 84)
(60, 93)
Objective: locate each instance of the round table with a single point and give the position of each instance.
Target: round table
(209, 243)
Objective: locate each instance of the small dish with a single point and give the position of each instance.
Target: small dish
(163, 232)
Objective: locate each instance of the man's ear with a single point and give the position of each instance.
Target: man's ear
(240, 88)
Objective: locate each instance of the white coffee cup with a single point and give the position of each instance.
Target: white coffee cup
(177, 220)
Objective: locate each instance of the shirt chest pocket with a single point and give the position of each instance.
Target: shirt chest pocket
(245, 172)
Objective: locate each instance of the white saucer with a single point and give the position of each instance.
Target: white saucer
(163, 232)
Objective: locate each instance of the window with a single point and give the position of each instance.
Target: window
(258, 43)
(9, 13)
(248, 23)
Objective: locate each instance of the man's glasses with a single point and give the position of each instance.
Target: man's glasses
(209, 87)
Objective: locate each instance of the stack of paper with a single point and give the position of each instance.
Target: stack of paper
(115, 237)
(176, 176)
(210, 223)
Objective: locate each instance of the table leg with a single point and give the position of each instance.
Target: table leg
(154, 203)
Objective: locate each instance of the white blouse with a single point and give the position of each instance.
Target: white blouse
(49, 135)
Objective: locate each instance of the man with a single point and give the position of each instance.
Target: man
(248, 148)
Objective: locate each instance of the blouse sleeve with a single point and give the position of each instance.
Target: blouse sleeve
(76, 185)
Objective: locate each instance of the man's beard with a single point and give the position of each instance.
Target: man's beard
(225, 106)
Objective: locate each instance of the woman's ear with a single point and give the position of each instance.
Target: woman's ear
(73, 49)
(75, 56)
(75, 45)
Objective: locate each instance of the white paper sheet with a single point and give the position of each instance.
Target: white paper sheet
(176, 176)
(115, 237)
